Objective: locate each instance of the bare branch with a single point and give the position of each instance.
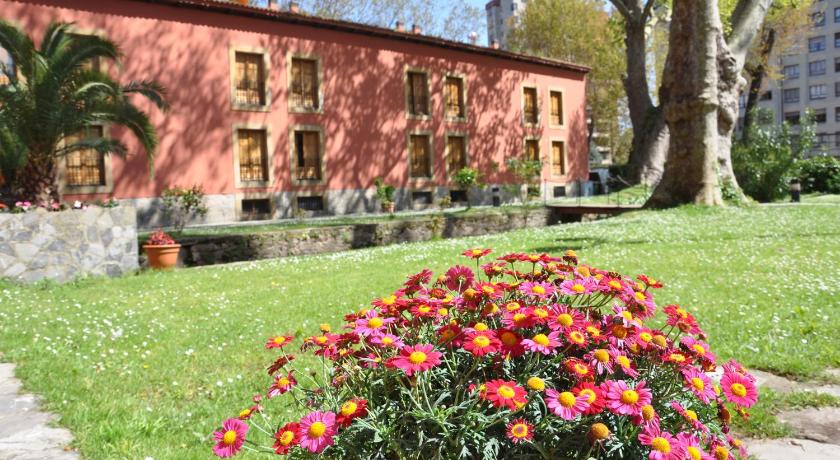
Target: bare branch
(646, 11)
(622, 8)
(746, 22)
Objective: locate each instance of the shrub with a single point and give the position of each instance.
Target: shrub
(528, 357)
(467, 178)
(385, 192)
(764, 161)
(181, 204)
(527, 173)
(159, 238)
(820, 174)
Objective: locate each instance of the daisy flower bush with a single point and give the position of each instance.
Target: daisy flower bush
(523, 356)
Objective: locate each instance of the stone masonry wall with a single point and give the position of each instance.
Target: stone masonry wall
(61, 246)
(216, 249)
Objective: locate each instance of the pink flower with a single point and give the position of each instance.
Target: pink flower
(565, 318)
(578, 286)
(282, 384)
(623, 400)
(316, 431)
(691, 445)
(566, 405)
(539, 290)
(739, 389)
(459, 278)
(698, 348)
(416, 358)
(699, 383)
(623, 362)
(663, 445)
(542, 343)
(600, 360)
(372, 324)
(386, 341)
(230, 438)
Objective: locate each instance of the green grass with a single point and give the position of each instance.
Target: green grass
(636, 194)
(763, 423)
(148, 365)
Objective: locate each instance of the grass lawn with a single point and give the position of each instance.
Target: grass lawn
(148, 365)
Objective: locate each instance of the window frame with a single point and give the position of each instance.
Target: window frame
(523, 118)
(814, 40)
(429, 134)
(309, 194)
(293, 154)
(564, 165)
(791, 101)
(811, 94)
(552, 90)
(788, 118)
(273, 201)
(464, 105)
(793, 76)
(814, 69)
(107, 187)
(269, 157)
(407, 90)
(446, 137)
(266, 62)
(820, 114)
(319, 75)
(525, 141)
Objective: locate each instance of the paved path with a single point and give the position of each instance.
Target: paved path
(24, 430)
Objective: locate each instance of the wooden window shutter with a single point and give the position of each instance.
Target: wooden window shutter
(454, 97)
(297, 84)
(532, 150)
(308, 145)
(530, 105)
(304, 91)
(420, 161)
(556, 108)
(253, 157)
(85, 167)
(558, 160)
(418, 95)
(457, 154)
(250, 79)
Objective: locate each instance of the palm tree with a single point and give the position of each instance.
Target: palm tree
(53, 93)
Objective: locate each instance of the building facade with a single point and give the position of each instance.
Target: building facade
(501, 15)
(275, 112)
(810, 79)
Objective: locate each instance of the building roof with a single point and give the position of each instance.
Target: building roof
(287, 17)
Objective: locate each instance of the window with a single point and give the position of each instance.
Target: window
(818, 19)
(420, 156)
(816, 44)
(791, 95)
(458, 196)
(303, 94)
(556, 108)
(816, 67)
(310, 203)
(249, 79)
(308, 155)
(456, 153)
(532, 150)
(837, 89)
(822, 139)
(791, 72)
(253, 155)
(558, 158)
(530, 109)
(454, 93)
(816, 92)
(837, 114)
(836, 14)
(255, 209)
(418, 94)
(837, 40)
(766, 96)
(837, 139)
(836, 64)
(792, 117)
(423, 198)
(819, 116)
(85, 167)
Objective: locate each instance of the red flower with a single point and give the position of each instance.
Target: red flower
(459, 278)
(417, 358)
(520, 430)
(278, 341)
(594, 394)
(286, 437)
(351, 410)
(481, 343)
(476, 253)
(502, 393)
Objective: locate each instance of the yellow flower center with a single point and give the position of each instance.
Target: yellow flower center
(677, 357)
(699, 349)
(520, 430)
(245, 412)
(481, 341)
(283, 382)
(690, 414)
(584, 271)
(565, 319)
(593, 331)
(325, 327)
(697, 383)
(280, 340)
(590, 395)
(424, 308)
(321, 339)
(488, 289)
(601, 355)
(615, 285)
(646, 337)
(538, 289)
(387, 340)
(476, 252)
(577, 337)
(374, 322)
(508, 338)
(512, 306)
(417, 357)
(694, 453)
(577, 287)
(661, 444)
(629, 397)
(541, 313)
(570, 253)
(648, 412)
(567, 399)
(480, 327)
(390, 300)
(349, 408)
(541, 339)
(505, 392)
(317, 429)
(627, 315)
(518, 317)
(443, 311)
(229, 437)
(287, 437)
(599, 431)
(623, 361)
(447, 335)
(536, 384)
(660, 340)
(682, 313)
(738, 390)
(640, 296)
(619, 331)
(721, 453)
(581, 369)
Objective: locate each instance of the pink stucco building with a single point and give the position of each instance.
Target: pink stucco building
(273, 111)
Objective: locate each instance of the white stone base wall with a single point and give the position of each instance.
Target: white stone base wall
(64, 245)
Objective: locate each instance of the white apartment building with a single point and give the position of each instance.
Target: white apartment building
(501, 14)
(810, 79)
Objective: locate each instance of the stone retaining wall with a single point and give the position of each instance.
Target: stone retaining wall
(64, 245)
(216, 249)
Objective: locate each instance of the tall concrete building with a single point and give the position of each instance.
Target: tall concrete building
(501, 14)
(810, 79)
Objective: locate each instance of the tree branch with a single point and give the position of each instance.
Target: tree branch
(746, 22)
(647, 9)
(622, 8)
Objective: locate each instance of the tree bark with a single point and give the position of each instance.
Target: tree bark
(38, 181)
(755, 75)
(690, 100)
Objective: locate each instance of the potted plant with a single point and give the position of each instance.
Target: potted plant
(385, 193)
(161, 250)
(467, 178)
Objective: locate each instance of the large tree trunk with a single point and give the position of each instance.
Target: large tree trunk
(38, 180)
(689, 97)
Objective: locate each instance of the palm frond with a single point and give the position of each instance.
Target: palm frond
(150, 90)
(19, 46)
(100, 144)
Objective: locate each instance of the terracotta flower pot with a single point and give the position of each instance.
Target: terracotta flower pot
(388, 206)
(162, 256)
